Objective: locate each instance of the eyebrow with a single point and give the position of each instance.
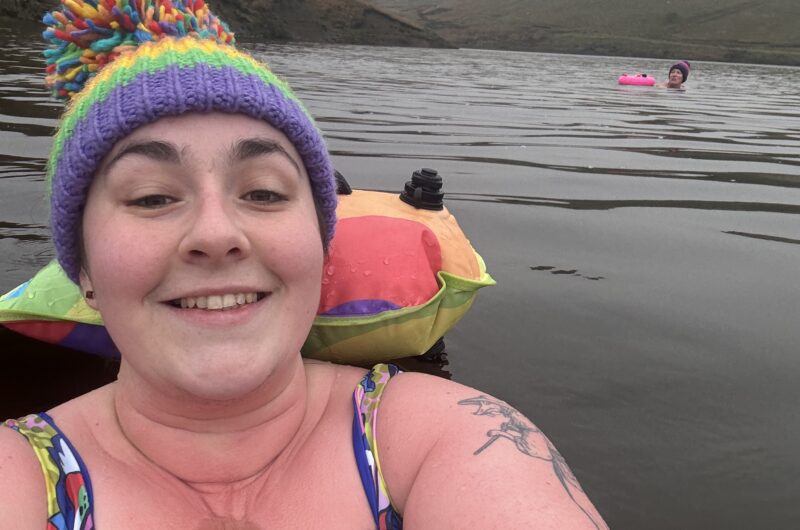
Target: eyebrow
(162, 151)
(255, 147)
(154, 149)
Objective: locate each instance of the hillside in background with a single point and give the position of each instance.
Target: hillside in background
(332, 21)
(760, 31)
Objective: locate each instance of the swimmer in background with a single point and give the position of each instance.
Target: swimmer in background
(678, 74)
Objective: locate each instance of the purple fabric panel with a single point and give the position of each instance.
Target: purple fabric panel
(91, 339)
(172, 91)
(360, 308)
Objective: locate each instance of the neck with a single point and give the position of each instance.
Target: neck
(209, 443)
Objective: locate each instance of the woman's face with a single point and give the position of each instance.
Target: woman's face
(203, 249)
(675, 77)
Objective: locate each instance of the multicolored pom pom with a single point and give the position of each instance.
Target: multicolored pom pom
(85, 35)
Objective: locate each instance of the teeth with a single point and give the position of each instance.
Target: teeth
(218, 302)
(215, 302)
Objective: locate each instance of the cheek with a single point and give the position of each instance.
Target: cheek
(114, 251)
(297, 255)
(303, 253)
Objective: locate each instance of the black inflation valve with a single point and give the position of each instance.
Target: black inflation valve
(424, 190)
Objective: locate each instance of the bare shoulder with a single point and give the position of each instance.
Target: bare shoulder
(23, 495)
(451, 454)
(23, 502)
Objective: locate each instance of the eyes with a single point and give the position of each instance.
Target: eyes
(264, 196)
(151, 201)
(156, 201)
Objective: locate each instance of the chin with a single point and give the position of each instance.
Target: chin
(222, 394)
(224, 388)
(222, 376)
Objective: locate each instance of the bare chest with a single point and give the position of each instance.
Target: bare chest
(313, 491)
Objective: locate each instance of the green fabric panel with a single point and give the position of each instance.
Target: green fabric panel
(50, 295)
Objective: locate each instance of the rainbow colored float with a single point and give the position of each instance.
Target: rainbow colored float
(400, 273)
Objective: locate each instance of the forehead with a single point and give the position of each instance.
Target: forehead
(207, 133)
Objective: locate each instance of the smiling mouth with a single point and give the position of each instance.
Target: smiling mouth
(221, 302)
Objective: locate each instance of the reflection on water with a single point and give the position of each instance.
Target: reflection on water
(23, 232)
(31, 169)
(765, 237)
(669, 382)
(572, 272)
(577, 204)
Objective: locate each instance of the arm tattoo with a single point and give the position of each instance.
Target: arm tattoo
(523, 433)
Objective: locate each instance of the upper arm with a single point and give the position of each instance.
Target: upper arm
(457, 457)
(22, 492)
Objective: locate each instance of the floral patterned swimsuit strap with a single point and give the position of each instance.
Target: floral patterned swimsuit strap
(69, 490)
(366, 400)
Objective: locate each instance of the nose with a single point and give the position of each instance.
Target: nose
(215, 235)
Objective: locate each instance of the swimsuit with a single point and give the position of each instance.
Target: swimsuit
(366, 399)
(69, 490)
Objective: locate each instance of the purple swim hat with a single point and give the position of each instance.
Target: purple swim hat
(684, 67)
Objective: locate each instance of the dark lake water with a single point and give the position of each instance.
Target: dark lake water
(646, 245)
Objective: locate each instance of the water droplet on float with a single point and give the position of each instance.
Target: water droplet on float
(325, 281)
(353, 269)
(329, 270)
(413, 276)
(367, 273)
(385, 261)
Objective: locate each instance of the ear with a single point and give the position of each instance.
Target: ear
(87, 289)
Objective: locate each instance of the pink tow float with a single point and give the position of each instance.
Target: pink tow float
(636, 79)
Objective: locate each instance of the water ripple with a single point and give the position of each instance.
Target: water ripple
(588, 204)
(32, 169)
(23, 232)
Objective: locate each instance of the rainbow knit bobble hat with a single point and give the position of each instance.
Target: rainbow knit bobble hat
(126, 63)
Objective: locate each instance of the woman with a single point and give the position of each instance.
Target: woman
(193, 200)
(678, 74)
